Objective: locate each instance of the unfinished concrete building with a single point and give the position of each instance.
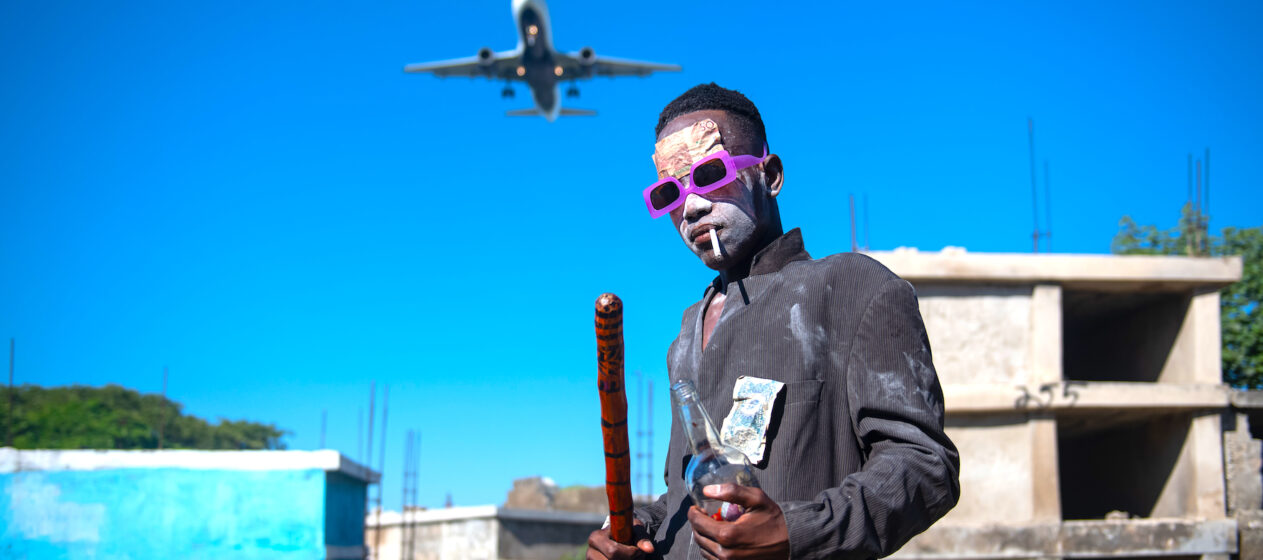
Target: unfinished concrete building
(1085, 395)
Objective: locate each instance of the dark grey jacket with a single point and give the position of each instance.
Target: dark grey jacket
(856, 455)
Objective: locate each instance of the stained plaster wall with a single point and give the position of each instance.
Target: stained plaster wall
(979, 334)
(997, 466)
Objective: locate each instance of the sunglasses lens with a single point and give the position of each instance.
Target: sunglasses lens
(709, 173)
(663, 195)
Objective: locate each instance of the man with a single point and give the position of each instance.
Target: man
(853, 461)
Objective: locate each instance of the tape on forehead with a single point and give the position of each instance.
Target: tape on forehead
(674, 155)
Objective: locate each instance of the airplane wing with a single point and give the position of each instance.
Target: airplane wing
(587, 64)
(496, 66)
(565, 112)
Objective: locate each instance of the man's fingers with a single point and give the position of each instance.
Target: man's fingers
(704, 525)
(645, 545)
(745, 496)
(759, 532)
(711, 550)
(602, 547)
(642, 536)
(599, 542)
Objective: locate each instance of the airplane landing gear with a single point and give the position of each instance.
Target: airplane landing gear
(572, 92)
(506, 93)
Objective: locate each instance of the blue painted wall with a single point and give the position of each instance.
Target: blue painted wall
(345, 501)
(163, 513)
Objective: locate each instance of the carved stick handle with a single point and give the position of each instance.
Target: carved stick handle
(609, 360)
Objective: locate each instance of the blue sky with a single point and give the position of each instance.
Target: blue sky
(255, 195)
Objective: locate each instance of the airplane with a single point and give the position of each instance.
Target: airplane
(535, 62)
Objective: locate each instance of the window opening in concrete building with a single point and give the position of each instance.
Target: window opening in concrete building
(1129, 463)
(1124, 462)
(1115, 336)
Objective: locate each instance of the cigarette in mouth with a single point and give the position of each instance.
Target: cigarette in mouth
(714, 242)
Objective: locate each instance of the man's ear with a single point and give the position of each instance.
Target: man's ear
(774, 173)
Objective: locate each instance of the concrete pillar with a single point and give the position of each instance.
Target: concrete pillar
(1045, 480)
(1046, 343)
(1204, 315)
(1045, 353)
(1203, 451)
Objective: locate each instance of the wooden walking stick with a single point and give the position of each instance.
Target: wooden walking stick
(609, 360)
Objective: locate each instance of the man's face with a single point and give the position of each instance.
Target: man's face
(738, 213)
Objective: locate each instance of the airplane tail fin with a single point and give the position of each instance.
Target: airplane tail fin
(522, 113)
(567, 112)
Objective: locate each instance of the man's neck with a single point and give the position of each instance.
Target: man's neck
(741, 270)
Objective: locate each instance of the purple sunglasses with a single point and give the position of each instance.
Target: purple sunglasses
(707, 174)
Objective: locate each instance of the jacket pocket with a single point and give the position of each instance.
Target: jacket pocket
(803, 392)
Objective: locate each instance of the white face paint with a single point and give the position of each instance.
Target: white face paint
(721, 227)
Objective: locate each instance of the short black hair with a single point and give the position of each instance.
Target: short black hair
(702, 97)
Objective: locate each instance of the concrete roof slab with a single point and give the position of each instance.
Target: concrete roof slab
(1096, 271)
(16, 460)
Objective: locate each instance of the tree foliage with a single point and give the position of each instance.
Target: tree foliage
(1239, 312)
(114, 417)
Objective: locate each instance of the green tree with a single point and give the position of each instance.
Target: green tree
(1239, 312)
(114, 417)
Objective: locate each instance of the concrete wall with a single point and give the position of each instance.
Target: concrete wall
(542, 540)
(978, 334)
(481, 533)
(454, 537)
(997, 469)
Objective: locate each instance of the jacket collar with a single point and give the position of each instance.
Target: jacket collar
(783, 250)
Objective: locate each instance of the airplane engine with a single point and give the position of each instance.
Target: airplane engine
(486, 58)
(587, 56)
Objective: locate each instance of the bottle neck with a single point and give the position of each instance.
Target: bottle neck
(697, 426)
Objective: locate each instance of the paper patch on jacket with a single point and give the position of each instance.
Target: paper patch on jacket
(746, 425)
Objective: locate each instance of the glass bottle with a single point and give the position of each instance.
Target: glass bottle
(713, 461)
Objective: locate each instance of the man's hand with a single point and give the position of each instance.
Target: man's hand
(602, 547)
(760, 532)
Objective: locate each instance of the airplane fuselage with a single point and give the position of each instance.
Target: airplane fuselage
(539, 68)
